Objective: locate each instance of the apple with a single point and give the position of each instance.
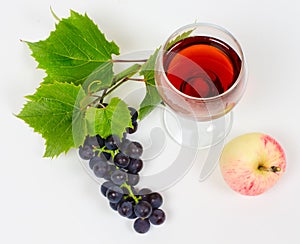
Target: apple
(252, 163)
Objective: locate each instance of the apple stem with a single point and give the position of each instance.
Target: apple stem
(273, 169)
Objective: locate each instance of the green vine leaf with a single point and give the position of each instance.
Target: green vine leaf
(53, 111)
(111, 120)
(152, 97)
(78, 62)
(179, 38)
(76, 52)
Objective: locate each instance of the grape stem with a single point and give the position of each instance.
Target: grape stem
(129, 60)
(120, 83)
(100, 99)
(137, 79)
(118, 80)
(115, 86)
(100, 150)
(134, 197)
(130, 71)
(102, 96)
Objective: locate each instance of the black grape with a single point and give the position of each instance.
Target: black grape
(100, 140)
(134, 150)
(141, 225)
(125, 208)
(112, 142)
(86, 152)
(144, 193)
(91, 141)
(114, 194)
(124, 145)
(133, 179)
(114, 206)
(95, 160)
(143, 209)
(100, 169)
(155, 199)
(135, 165)
(157, 217)
(105, 186)
(121, 160)
(134, 114)
(110, 170)
(134, 129)
(118, 177)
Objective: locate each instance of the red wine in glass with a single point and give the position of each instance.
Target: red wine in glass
(201, 66)
(202, 76)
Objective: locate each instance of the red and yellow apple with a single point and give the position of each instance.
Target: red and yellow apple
(252, 163)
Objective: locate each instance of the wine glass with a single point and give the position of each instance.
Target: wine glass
(201, 75)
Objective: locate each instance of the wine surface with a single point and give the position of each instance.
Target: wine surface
(201, 66)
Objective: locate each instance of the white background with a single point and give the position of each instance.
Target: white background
(55, 201)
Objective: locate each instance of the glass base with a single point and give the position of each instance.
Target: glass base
(197, 134)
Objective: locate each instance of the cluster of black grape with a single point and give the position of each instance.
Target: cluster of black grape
(118, 162)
